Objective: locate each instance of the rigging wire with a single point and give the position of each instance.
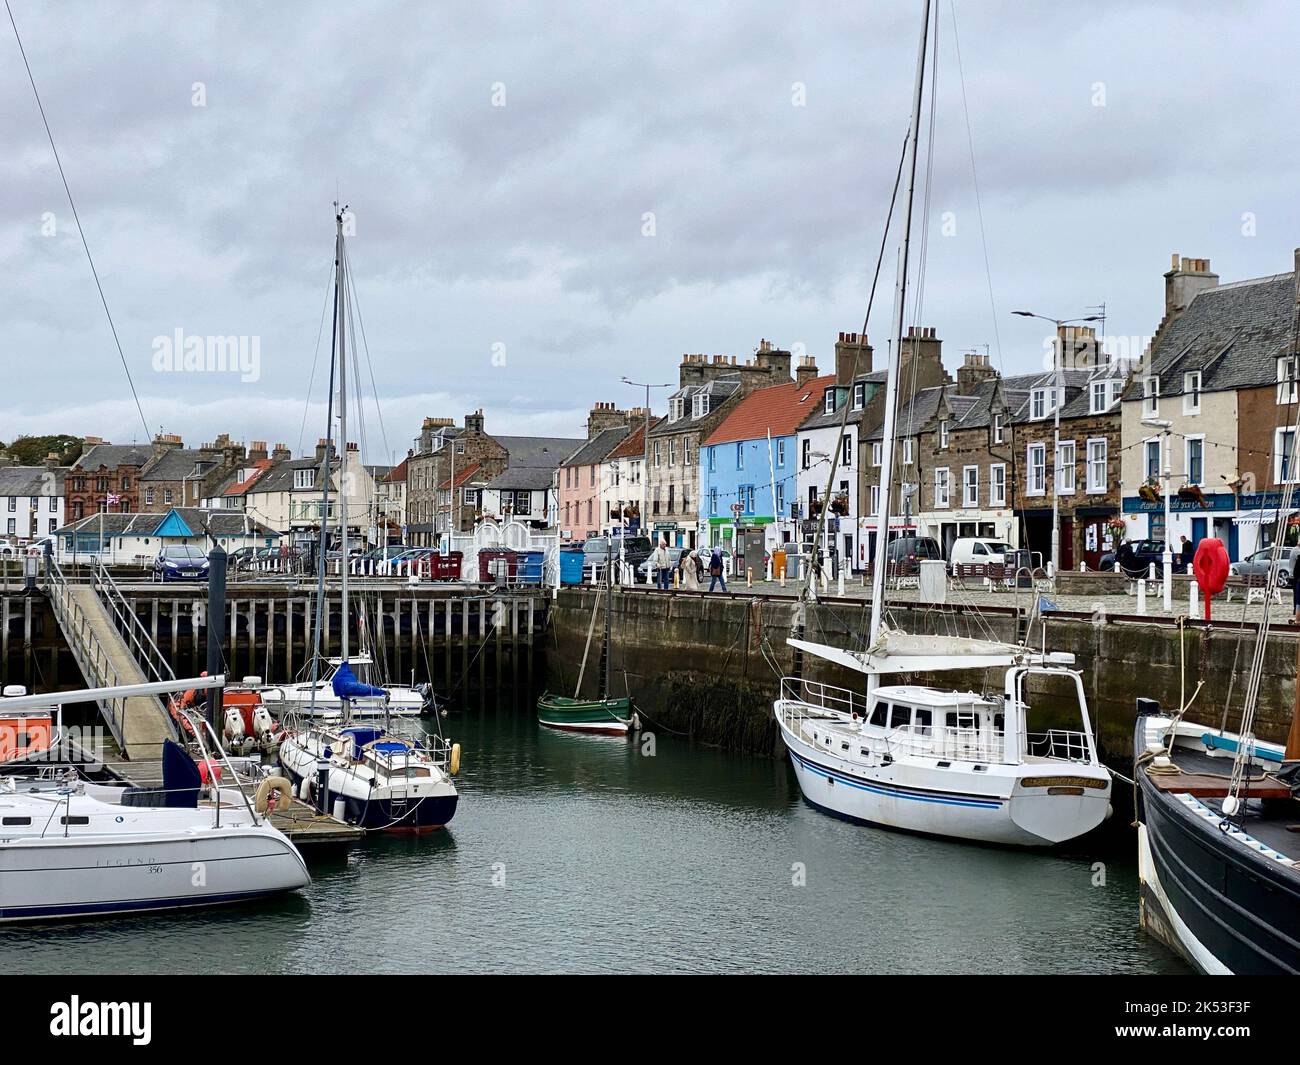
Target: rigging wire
(320, 331)
(374, 388)
(148, 434)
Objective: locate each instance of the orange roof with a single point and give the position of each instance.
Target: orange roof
(259, 468)
(632, 447)
(461, 476)
(778, 409)
(397, 473)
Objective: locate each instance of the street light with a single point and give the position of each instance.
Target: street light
(645, 458)
(1164, 425)
(1058, 392)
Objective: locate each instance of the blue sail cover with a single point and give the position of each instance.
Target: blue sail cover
(346, 685)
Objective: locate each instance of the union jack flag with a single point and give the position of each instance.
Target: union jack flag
(113, 499)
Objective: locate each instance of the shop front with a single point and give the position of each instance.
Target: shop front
(1244, 523)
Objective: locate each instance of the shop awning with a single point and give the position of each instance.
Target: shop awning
(1265, 517)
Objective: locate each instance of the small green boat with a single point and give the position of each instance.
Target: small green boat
(605, 714)
(609, 716)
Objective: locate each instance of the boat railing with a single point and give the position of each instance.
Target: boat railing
(980, 745)
(799, 693)
(202, 726)
(1059, 744)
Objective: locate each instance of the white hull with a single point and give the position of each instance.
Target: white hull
(126, 859)
(283, 698)
(917, 794)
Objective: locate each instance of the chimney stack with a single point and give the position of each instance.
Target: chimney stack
(474, 422)
(847, 347)
(805, 371)
(975, 370)
(257, 451)
(281, 453)
(776, 361)
(1186, 278)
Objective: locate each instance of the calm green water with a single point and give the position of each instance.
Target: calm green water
(574, 853)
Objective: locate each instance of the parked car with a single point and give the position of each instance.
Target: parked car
(1261, 562)
(8, 548)
(1135, 557)
(636, 549)
(180, 562)
(977, 550)
(913, 549)
(240, 557)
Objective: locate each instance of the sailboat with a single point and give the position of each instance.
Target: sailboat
(317, 698)
(72, 847)
(958, 764)
(360, 773)
(605, 715)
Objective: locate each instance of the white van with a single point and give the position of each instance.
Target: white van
(977, 550)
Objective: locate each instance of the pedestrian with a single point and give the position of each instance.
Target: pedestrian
(1295, 587)
(715, 570)
(1185, 554)
(660, 566)
(688, 572)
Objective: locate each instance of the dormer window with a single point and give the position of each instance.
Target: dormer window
(1288, 387)
(1192, 392)
(1042, 401)
(304, 478)
(1099, 397)
(676, 406)
(828, 401)
(999, 428)
(701, 405)
(1150, 396)
(943, 435)
(859, 395)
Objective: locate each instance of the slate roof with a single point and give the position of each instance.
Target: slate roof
(777, 408)
(218, 522)
(546, 451)
(1072, 381)
(720, 389)
(279, 478)
(598, 447)
(110, 456)
(819, 419)
(529, 478)
(916, 414)
(30, 480)
(1232, 333)
(175, 464)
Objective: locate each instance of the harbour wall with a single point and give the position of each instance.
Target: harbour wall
(709, 666)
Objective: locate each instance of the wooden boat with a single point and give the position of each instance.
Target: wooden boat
(609, 716)
(605, 714)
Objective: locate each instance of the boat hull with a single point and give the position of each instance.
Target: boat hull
(604, 716)
(45, 879)
(992, 807)
(1225, 906)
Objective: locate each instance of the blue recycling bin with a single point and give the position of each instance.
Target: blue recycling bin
(529, 567)
(571, 566)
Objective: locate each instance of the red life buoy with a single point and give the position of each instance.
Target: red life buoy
(1210, 565)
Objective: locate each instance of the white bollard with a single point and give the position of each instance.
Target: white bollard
(1192, 597)
(769, 568)
(1116, 567)
(1083, 567)
(1142, 596)
(1151, 571)
(840, 584)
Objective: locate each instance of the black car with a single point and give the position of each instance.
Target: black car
(1136, 556)
(913, 549)
(180, 562)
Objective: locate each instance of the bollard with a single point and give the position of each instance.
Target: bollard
(769, 569)
(1116, 567)
(1151, 571)
(839, 584)
(1192, 596)
(783, 578)
(1083, 567)
(1142, 596)
(749, 576)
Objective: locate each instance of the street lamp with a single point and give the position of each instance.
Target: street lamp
(1058, 394)
(645, 458)
(1167, 561)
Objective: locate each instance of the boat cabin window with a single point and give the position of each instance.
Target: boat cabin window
(922, 721)
(878, 715)
(74, 820)
(901, 716)
(17, 821)
(999, 722)
(963, 719)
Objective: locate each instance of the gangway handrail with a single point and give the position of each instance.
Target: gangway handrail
(139, 641)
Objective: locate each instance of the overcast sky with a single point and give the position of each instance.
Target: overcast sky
(502, 159)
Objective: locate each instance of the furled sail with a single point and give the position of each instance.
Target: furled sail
(346, 685)
(901, 652)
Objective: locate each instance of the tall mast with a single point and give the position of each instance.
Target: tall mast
(895, 352)
(341, 283)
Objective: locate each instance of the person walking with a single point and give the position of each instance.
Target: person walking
(688, 568)
(715, 570)
(660, 566)
(1185, 554)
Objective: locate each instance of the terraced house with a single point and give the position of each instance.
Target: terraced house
(708, 386)
(1222, 370)
(32, 499)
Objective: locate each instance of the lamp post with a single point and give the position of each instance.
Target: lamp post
(645, 457)
(1057, 396)
(1167, 560)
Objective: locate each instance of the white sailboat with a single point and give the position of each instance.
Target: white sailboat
(946, 763)
(73, 848)
(317, 698)
(362, 774)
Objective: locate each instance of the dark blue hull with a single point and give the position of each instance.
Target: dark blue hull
(386, 815)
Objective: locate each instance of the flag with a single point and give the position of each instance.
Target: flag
(113, 500)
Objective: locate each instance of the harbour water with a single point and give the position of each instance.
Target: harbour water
(594, 854)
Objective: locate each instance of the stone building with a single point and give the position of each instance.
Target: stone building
(177, 476)
(105, 477)
(707, 387)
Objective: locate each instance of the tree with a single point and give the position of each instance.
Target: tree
(31, 450)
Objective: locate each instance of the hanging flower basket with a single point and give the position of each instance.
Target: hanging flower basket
(840, 505)
(1191, 493)
(1148, 493)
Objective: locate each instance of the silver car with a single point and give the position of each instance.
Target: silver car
(1259, 562)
